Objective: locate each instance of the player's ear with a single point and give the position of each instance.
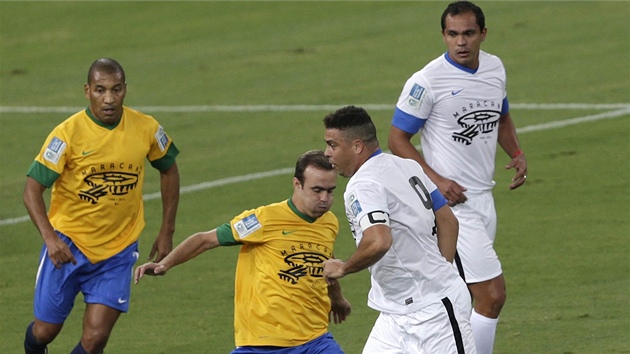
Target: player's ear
(358, 146)
(86, 90)
(296, 183)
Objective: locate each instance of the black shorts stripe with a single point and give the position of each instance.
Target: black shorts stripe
(459, 342)
(460, 267)
(460, 270)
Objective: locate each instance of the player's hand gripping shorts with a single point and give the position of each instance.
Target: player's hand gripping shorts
(107, 282)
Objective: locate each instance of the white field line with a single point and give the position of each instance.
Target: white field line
(624, 110)
(293, 108)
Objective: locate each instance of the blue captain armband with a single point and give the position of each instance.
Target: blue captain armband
(505, 106)
(438, 200)
(406, 122)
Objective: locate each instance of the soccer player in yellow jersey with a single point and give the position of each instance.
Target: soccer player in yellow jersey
(282, 302)
(94, 161)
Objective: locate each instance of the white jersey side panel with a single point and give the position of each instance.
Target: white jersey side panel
(413, 272)
(462, 109)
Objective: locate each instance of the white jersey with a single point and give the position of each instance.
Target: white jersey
(413, 273)
(461, 108)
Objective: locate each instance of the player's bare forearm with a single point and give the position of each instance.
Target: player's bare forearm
(334, 291)
(36, 207)
(340, 308)
(447, 231)
(508, 140)
(169, 183)
(191, 247)
(399, 142)
(58, 251)
(375, 243)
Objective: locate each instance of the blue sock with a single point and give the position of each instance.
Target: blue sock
(31, 345)
(78, 349)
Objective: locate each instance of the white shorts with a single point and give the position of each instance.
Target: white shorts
(476, 256)
(442, 327)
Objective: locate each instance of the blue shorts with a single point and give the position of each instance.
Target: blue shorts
(107, 282)
(325, 344)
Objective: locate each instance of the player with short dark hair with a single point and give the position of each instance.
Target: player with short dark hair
(459, 104)
(94, 162)
(281, 300)
(405, 235)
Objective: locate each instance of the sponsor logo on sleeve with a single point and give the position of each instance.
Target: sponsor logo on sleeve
(355, 206)
(415, 96)
(54, 150)
(247, 225)
(161, 138)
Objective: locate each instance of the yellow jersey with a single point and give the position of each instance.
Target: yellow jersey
(281, 297)
(97, 172)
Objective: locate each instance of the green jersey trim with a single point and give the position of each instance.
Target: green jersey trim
(98, 122)
(299, 213)
(161, 164)
(225, 236)
(166, 161)
(42, 174)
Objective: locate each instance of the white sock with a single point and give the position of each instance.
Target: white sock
(483, 329)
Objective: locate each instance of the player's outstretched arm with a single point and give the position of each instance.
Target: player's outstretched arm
(190, 248)
(376, 241)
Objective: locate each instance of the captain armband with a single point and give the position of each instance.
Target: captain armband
(374, 218)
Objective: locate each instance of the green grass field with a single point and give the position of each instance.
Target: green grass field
(562, 238)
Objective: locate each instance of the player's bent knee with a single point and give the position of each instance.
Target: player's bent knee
(495, 298)
(45, 332)
(94, 341)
